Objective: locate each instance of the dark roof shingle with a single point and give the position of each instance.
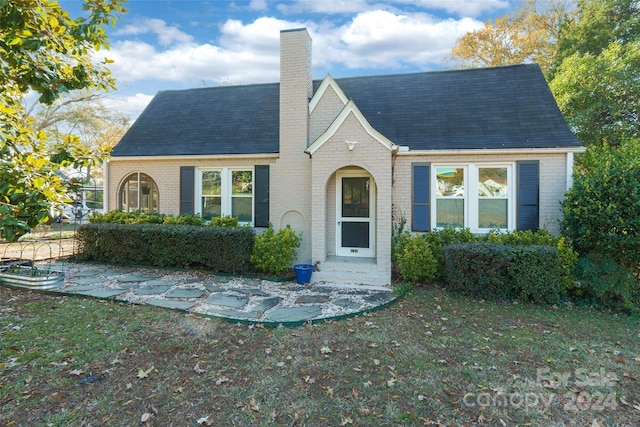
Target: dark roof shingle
(500, 107)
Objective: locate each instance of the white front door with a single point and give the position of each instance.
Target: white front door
(355, 228)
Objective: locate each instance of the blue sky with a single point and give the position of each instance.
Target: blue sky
(176, 44)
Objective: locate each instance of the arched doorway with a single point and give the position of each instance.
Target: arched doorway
(355, 213)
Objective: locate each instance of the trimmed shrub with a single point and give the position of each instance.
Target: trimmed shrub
(224, 221)
(433, 241)
(415, 260)
(215, 248)
(184, 219)
(274, 253)
(567, 256)
(496, 271)
(119, 217)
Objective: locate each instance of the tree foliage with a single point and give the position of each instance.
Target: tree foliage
(43, 49)
(528, 35)
(596, 76)
(602, 209)
(600, 94)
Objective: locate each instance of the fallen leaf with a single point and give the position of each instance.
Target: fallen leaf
(367, 384)
(309, 380)
(373, 345)
(421, 397)
(391, 382)
(76, 372)
(325, 350)
(354, 390)
(346, 421)
(376, 362)
(620, 360)
(145, 417)
(222, 380)
(204, 421)
(144, 374)
(197, 369)
(329, 391)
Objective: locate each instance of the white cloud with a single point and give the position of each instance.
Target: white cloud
(381, 39)
(258, 5)
(131, 106)
(166, 35)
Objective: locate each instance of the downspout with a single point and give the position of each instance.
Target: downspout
(569, 170)
(105, 187)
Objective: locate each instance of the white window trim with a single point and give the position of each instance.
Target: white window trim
(471, 197)
(226, 192)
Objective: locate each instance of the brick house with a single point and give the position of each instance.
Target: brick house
(341, 159)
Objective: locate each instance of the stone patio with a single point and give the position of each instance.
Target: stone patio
(230, 297)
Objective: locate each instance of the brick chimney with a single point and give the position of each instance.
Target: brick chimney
(291, 173)
(296, 88)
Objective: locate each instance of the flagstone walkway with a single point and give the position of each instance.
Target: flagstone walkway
(230, 297)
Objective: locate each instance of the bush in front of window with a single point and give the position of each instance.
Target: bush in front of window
(274, 253)
(120, 217)
(500, 272)
(183, 219)
(567, 256)
(224, 221)
(214, 248)
(414, 259)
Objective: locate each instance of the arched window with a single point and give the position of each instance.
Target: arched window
(138, 192)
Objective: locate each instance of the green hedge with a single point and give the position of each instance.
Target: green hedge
(495, 271)
(222, 249)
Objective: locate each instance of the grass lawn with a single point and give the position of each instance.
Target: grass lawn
(431, 359)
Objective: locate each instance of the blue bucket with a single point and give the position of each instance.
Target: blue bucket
(303, 273)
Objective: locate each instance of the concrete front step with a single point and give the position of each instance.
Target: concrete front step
(369, 280)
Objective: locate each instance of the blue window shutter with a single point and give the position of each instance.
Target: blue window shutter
(421, 197)
(261, 196)
(187, 185)
(528, 197)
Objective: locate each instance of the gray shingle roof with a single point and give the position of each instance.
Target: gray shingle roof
(217, 120)
(500, 107)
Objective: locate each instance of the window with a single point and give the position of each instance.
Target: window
(493, 197)
(138, 192)
(476, 196)
(226, 192)
(450, 197)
